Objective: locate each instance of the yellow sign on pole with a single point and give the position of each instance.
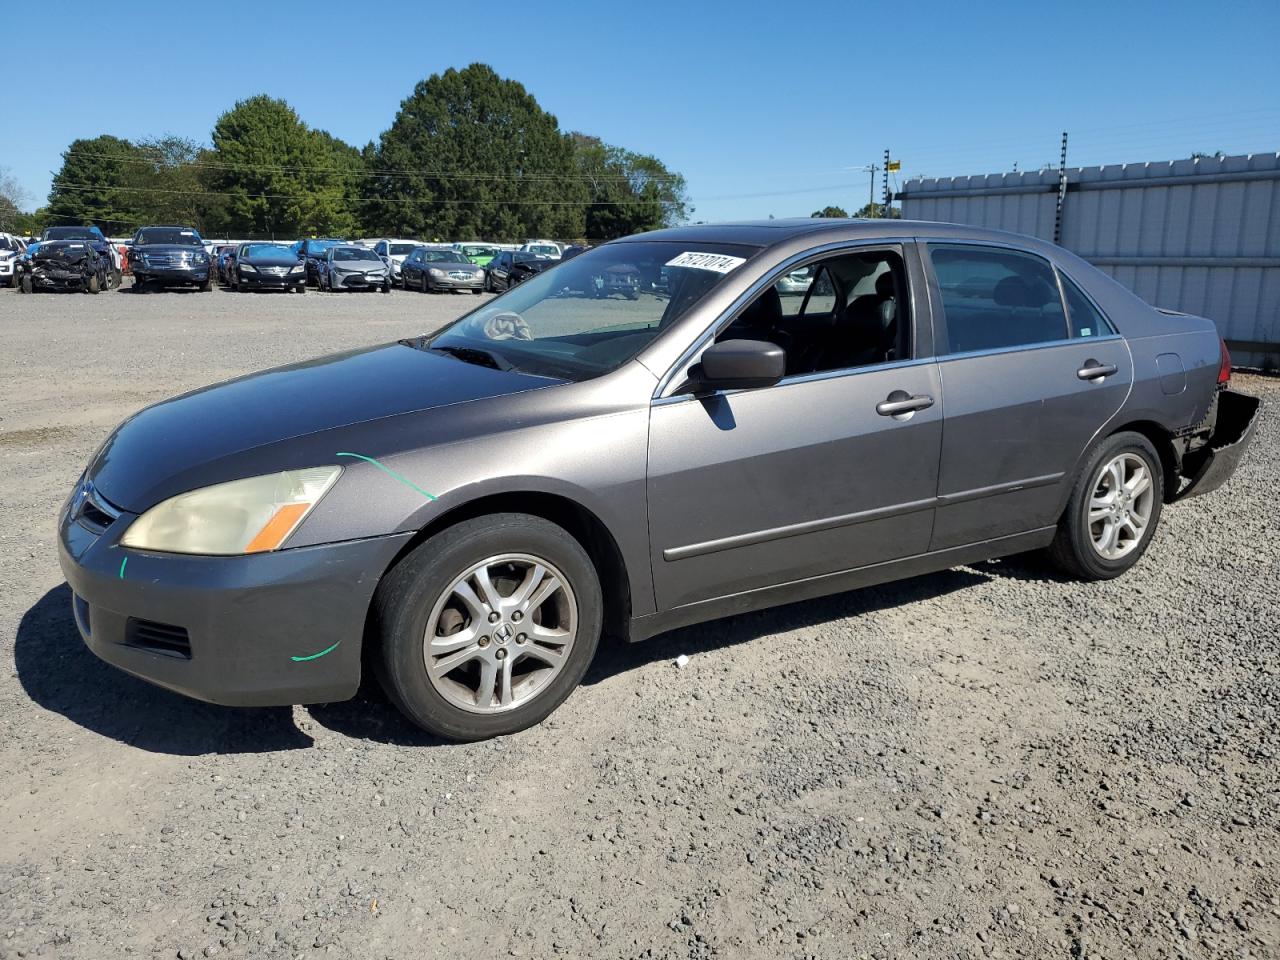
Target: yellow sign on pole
(895, 166)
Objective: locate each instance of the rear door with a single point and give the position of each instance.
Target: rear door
(1027, 389)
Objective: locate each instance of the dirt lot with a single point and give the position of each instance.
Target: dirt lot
(983, 762)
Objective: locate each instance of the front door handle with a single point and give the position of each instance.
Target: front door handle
(902, 405)
(1093, 370)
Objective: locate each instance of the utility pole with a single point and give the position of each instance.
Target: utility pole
(871, 194)
(1062, 191)
(884, 208)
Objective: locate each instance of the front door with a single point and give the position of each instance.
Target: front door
(817, 474)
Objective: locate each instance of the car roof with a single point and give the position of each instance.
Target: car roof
(771, 233)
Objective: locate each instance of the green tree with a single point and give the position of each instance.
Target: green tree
(276, 177)
(472, 155)
(876, 211)
(93, 185)
(626, 192)
(166, 182)
(838, 212)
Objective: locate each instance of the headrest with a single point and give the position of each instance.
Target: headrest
(867, 313)
(885, 287)
(764, 311)
(1012, 292)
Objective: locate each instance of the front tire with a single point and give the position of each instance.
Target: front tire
(25, 286)
(93, 285)
(488, 626)
(1113, 511)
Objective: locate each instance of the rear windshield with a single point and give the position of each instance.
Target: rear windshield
(402, 249)
(170, 236)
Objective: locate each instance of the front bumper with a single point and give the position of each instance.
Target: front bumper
(173, 276)
(1213, 464)
(358, 281)
(239, 631)
(58, 279)
(455, 283)
(6, 267)
(271, 281)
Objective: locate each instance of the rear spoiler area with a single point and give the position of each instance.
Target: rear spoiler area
(1212, 465)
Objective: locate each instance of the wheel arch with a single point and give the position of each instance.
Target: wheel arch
(581, 523)
(1162, 439)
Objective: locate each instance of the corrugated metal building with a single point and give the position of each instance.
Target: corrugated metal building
(1201, 236)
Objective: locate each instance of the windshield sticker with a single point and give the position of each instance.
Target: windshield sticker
(717, 262)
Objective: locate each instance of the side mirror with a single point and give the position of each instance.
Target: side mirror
(739, 365)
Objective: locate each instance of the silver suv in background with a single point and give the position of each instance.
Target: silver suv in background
(393, 252)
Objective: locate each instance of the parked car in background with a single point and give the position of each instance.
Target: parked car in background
(795, 284)
(348, 267)
(393, 253)
(101, 246)
(431, 270)
(11, 248)
(474, 509)
(622, 279)
(223, 257)
(478, 253)
(312, 251)
(169, 256)
(65, 265)
(513, 266)
(268, 266)
(542, 248)
(572, 251)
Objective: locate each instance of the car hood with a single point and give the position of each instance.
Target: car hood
(284, 260)
(374, 264)
(150, 249)
(209, 436)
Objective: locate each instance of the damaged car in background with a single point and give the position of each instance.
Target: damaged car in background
(64, 265)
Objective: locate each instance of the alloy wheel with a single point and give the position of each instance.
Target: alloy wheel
(1120, 506)
(500, 633)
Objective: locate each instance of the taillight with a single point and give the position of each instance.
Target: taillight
(1224, 366)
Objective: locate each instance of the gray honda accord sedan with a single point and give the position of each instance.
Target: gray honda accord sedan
(471, 512)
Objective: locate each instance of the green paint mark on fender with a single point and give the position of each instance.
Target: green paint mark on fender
(122, 563)
(316, 656)
(389, 472)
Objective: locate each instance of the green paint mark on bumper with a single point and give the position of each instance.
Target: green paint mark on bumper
(389, 472)
(122, 563)
(316, 656)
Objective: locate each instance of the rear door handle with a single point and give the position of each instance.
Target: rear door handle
(1093, 370)
(902, 404)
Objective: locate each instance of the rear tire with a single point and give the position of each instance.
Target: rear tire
(420, 598)
(1113, 511)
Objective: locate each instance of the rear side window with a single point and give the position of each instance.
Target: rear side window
(993, 297)
(1086, 320)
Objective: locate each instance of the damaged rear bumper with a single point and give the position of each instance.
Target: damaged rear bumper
(1213, 464)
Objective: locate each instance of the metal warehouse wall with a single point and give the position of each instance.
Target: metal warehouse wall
(1201, 236)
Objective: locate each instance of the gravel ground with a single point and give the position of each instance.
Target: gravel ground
(983, 762)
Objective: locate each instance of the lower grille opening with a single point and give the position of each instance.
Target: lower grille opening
(162, 638)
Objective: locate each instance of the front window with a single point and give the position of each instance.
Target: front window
(71, 233)
(443, 256)
(591, 314)
(169, 236)
(402, 249)
(479, 251)
(543, 250)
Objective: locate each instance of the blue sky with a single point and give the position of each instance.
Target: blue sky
(766, 108)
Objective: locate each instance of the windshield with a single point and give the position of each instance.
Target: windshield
(316, 248)
(71, 233)
(179, 236)
(589, 315)
(443, 256)
(353, 253)
(9, 243)
(479, 251)
(269, 250)
(521, 256)
(402, 249)
(543, 249)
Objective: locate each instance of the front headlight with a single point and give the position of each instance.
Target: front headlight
(298, 269)
(436, 272)
(248, 268)
(243, 516)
